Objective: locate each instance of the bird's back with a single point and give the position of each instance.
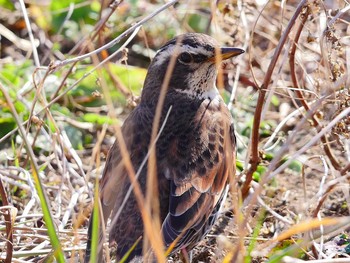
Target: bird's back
(198, 160)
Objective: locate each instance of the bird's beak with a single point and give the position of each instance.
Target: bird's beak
(226, 52)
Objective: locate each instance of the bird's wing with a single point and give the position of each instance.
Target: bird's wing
(115, 180)
(200, 165)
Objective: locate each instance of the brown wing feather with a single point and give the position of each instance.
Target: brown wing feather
(115, 183)
(198, 184)
(115, 178)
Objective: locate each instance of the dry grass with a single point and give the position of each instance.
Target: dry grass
(289, 95)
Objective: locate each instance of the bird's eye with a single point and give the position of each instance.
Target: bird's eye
(185, 57)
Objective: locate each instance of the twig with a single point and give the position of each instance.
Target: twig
(299, 94)
(313, 141)
(30, 33)
(54, 66)
(318, 251)
(270, 173)
(23, 44)
(280, 126)
(272, 212)
(19, 254)
(254, 145)
(59, 64)
(8, 223)
(49, 104)
(345, 170)
(245, 46)
(98, 27)
(288, 259)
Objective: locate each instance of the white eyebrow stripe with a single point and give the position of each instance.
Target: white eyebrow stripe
(167, 52)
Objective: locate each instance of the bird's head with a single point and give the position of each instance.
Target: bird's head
(191, 59)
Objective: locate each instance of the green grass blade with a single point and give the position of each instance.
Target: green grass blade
(95, 223)
(127, 254)
(56, 245)
(247, 258)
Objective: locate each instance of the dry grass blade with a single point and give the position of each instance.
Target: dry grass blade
(290, 104)
(41, 193)
(288, 259)
(308, 226)
(152, 201)
(9, 220)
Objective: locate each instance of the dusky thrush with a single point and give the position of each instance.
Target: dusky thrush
(195, 152)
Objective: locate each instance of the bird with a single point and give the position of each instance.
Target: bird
(195, 151)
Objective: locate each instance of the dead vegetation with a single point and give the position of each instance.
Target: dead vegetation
(289, 96)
